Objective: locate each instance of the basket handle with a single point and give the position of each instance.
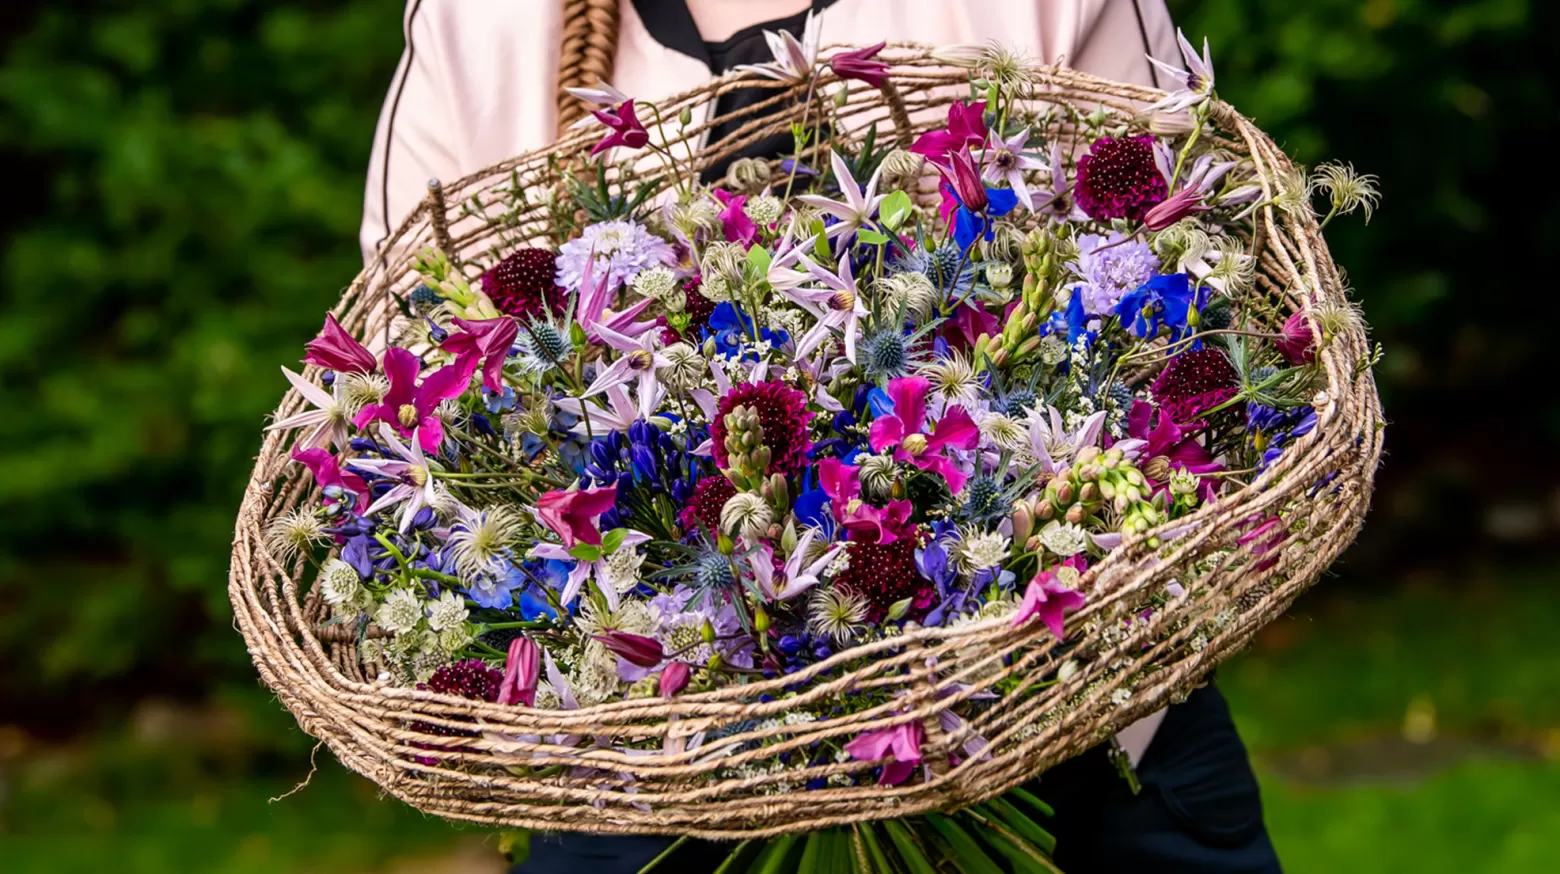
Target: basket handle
(590, 33)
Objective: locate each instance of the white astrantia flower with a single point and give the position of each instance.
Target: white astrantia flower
(654, 282)
(400, 612)
(1063, 538)
(620, 570)
(595, 676)
(447, 612)
(1053, 350)
(453, 640)
(764, 210)
(631, 616)
(339, 582)
(983, 551)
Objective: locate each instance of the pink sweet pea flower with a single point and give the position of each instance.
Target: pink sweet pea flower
(521, 671)
(410, 408)
(625, 126)
(861, 65)
(734, 220)
(327, 472)
(486, 339)
(335, 349)
(966, 129)
(902, 741)
(903, 430)
(1047, 599)
(572, 515)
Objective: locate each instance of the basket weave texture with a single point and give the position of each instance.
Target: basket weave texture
(1319, 488)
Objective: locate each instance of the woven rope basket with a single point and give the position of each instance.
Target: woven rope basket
(1320, 489)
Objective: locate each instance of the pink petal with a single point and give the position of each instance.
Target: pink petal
(909, 396)
(955, 429)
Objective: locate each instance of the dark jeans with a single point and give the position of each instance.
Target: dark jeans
(1199, 811)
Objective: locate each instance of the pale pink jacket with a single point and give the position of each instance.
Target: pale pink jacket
(476, 83)
(477, 80)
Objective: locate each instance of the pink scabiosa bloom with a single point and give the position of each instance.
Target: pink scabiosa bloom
(625, 128)
(674, 678)
(902, 742)
(1003, 160)
(736, 224)
(572, 515)
(1048, 599)
(335, 349)
(487, 340)
(1119, 178)
(966, 129)
(522, 669)
(410, 471)
(411, 408)
(861, 65)
(1297, 344)
(903, 429)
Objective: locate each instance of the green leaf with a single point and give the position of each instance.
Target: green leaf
(758, 261)
(735, 858)
(811, 852)
(868, 836)
(1031, 800)
(612, 540)
(894, 209)
(1002, 809)
(871, 237)
(586, 552)
(967, 854)
(820, 241)
(774, 856)
(1026, 858)
(909, 852)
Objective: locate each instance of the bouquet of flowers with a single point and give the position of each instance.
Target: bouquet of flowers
(800, 481)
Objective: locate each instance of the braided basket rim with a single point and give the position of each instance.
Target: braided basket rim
(380, 731)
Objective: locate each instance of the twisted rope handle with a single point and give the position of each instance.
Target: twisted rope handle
(590, 31)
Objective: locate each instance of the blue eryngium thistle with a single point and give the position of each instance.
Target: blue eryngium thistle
(888, 355)
(712, 574)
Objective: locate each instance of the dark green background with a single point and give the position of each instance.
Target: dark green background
(182, 188)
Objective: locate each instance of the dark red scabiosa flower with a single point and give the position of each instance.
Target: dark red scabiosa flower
(704, 505)
(885, 573)
(1194, 383)
(525, 283)
(1118, 178)
(699, 309)
(782, 411)
(466, 679)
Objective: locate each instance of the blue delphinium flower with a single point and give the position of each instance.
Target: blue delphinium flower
(1166, 301)
(1269, 430)
(732, 329)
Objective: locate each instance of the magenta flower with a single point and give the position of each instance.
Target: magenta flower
(636, 649)
(1168, 440)
(572, 515)
(674, 678)
(328, 474)
(964, 177)
(625, 126)
(903, 429)
(861, 65)
(1174, 208)
(411, 408)
(842, 483)
(488, 340)
(1297, 345)
(521, 670)
(335, 349)
(738, 227)
(902, 741)
(1049, 600)
(966, 129)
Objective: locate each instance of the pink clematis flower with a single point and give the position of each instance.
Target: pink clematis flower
(640, 361)
(1174, 208)
(335, 349)
(636, 649)
(839, 305)
(734, 220)
(595, 294)
(797, 574)
(625, 127)
(1048, 599)
(328, 473)
(1147, 440)
(521, 670)
(857, 205)
(410, 408)
(1297, 345)
(488, 340)
(842, 483)
(966, 129)
(903, 430)
(861, 65)
(902, 741)
(572, 515)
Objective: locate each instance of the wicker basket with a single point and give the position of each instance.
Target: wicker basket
(1319, 488)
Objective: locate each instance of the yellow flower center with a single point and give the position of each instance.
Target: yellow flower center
(915, 444)
(417, 475)
(843, 300)
(407, 415)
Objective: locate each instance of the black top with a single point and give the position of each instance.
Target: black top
(671, 24)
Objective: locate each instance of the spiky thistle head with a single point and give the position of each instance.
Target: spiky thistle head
(984, 500)
(887, 354)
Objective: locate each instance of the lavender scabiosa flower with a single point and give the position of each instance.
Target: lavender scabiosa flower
(1110, 269)
(622, 248)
